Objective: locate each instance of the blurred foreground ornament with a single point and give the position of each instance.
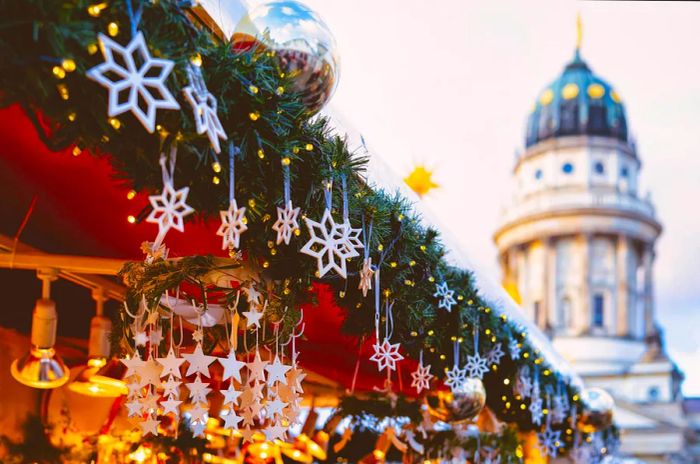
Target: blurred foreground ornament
(420, 180)
(459, 406)
(597, 413)
(302, 43)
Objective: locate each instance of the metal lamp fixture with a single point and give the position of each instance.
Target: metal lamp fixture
(94, 379)
(42, 367)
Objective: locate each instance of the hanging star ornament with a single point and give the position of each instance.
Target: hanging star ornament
(421, 378)
(331, 244)
(198, 361)
(549, 441)
(495, 354)
(233, 224)
(476, 366)
(171, 364)
(232, 367)
(286, 223)
(386, 355)
(276, 372)
(446, 296)
(135, 80)
(366, 275)
(204, 107)
(455, 377)
(169, 209)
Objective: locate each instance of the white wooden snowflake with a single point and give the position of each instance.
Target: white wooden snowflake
(421, 378)
(495, 354)
(536, 409)
(386, 355)
(514, 349)
(366, 275)
(204, 107)
(455, 377)
(331, 244)
(286, 223)
(232, 226)
(523, 383)
(169, 209)
(446, 296)
(559, 409)
(549, 441)
(476, 366)
(135, 80)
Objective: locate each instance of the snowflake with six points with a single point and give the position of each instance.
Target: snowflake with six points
(331, 244)
(421, 378)
(232, 226)
(135, 80)
(169, 209)
(386, 355)
(476, 366)
(550, 440)
(204, 107)
(495, 354)
(455, 377)
(446, 296)
(286, 223)
(536, 410)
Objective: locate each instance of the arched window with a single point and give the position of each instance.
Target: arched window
(538, 174)
(598, 310)
(599, 168)
(564, 312)
(567, 168)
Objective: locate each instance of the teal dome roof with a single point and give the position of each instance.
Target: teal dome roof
(577, 103)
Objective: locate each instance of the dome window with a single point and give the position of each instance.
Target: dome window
(569, 117)
(538, 174)
(624, 171)
(567, 168)
(596, 91)
(599, 167)
(569, 91)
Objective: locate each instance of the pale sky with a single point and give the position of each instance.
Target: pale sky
(450, 83)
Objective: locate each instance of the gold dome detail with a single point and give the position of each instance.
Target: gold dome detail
(546, 97)
(569, 91)
(596, 91)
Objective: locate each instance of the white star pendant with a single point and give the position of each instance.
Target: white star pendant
(386, 355)
(331, 244)
(446, 296)
(232, 226)
(205, 117)
(169, 209)
(135, 80)
(476, 366)
(421, 378)
(366, 274)
(455, 377)
(286, 223)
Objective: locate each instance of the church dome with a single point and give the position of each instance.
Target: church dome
(577, 103)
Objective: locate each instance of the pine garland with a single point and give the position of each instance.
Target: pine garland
(39, 39)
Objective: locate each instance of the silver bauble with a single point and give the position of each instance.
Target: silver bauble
(597, 411)
(301, 41)
(460, 405)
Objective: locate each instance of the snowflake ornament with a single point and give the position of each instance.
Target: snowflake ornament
(233, 224)
(286, 223)
(536, 410)
(331, 244)
(549, 440)
(446, 296)
(421, 378)
(455, 377)
(476, 366)
(523, 383)
(514, 349)
(366, 275)
(559, 409)
(135, 80)
(495, 354)
(169, 209)
(204, 108)
(386, 355)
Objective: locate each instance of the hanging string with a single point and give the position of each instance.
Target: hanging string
(377, 304)
(389, 328)
(346, 210)
(476, 336)
(455, 354)
(367, 236)
(134, 16)
(233, 311)
(231, 168)
(328, 193)
(287, 184)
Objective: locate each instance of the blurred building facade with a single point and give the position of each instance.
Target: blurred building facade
(577, 247)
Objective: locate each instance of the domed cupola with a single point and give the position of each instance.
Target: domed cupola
(577, 103)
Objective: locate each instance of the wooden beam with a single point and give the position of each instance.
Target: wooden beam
(80, 270)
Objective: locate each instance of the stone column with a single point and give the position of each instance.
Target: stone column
(622, 302)
(584, 322)
(548, 283)
(648, 263)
